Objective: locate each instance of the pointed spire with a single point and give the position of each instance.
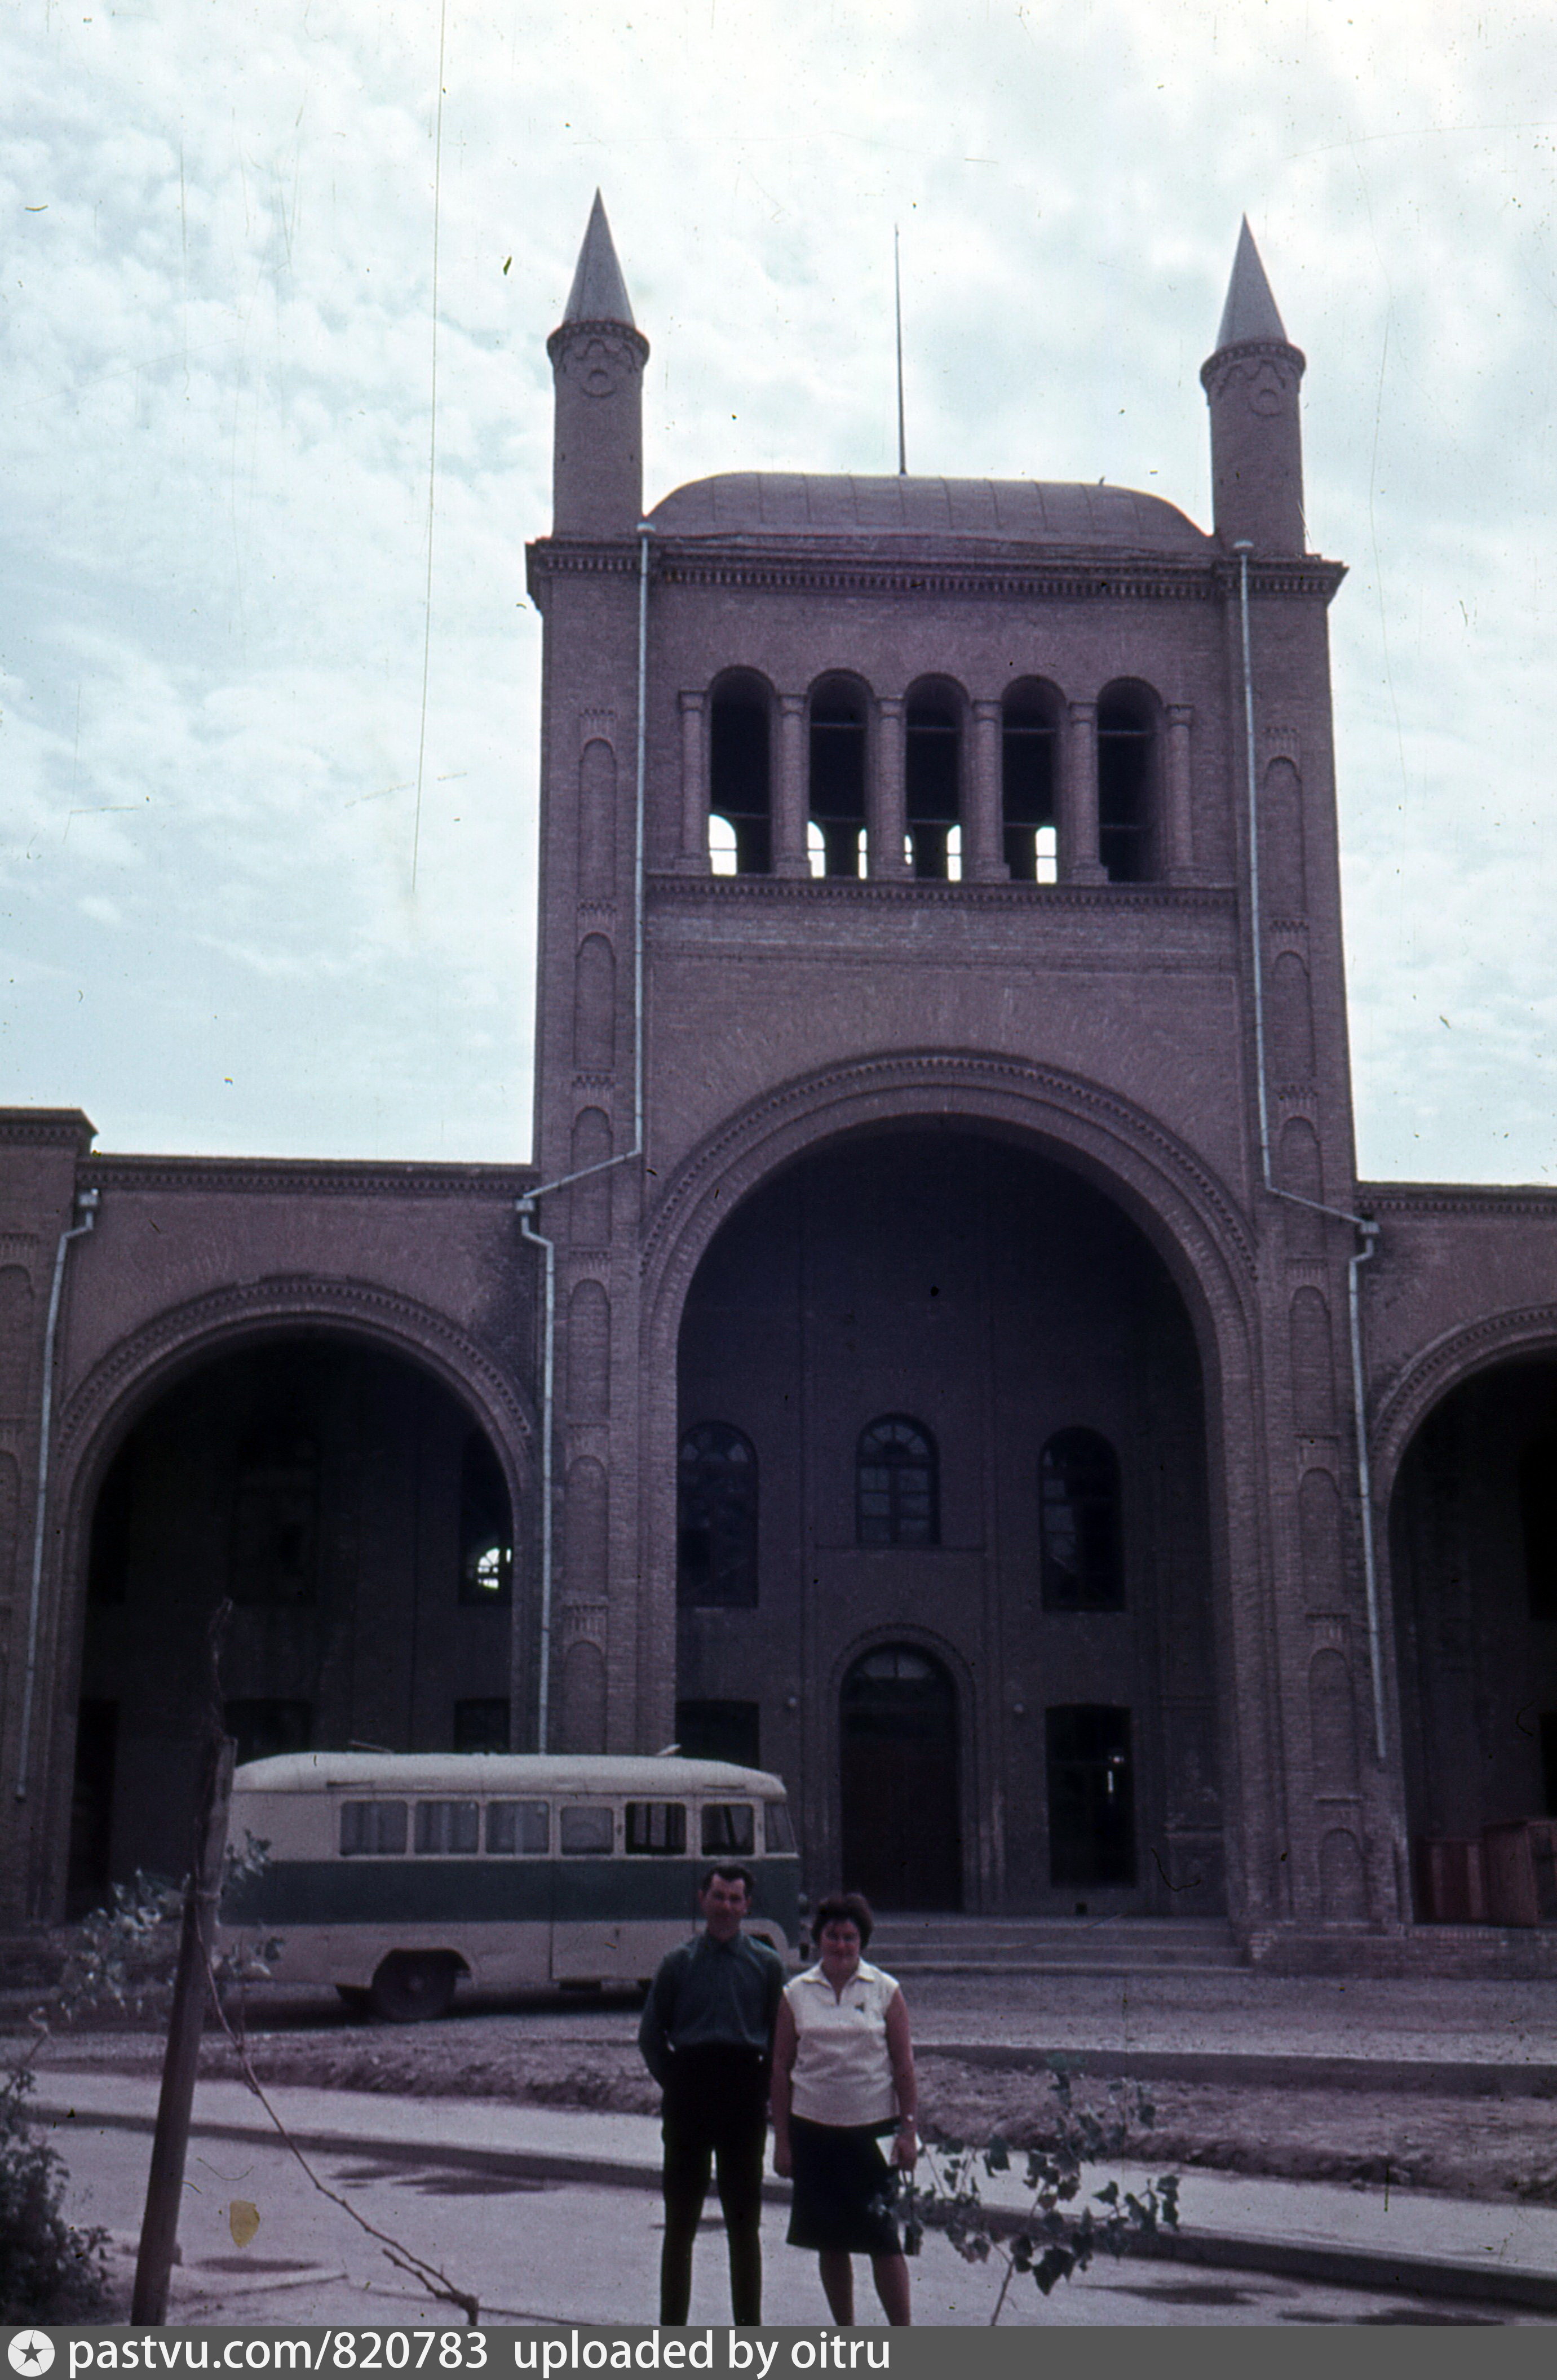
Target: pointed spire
(599, 293)
(1250, 311)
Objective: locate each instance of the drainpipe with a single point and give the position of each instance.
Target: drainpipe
(86, 1208)
(527, 1206)
(1365, 1228)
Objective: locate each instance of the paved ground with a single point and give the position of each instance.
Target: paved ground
(1418, 2241)
(561, 2251)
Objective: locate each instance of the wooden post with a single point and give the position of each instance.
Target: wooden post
(165, 2187)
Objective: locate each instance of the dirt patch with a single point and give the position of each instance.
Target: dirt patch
(1468, 2148)
(1477, 2148)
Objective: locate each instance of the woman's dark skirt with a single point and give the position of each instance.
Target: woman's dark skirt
(844, 2189)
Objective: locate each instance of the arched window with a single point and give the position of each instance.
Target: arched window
(716, 1549)
(1078, 1524)
(486, 1529)
(740, 786)
(1127, 783)
(1027, 744)
(1538, 1514)
(933, 775)
(898, 1489)
(837, 778)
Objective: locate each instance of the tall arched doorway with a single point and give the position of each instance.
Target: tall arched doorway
(897, 1777)
(1474, 1548)
(357, 1518)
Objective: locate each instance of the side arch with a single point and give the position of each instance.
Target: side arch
(104, 1404)
(1428, 1378)
(156, 1360)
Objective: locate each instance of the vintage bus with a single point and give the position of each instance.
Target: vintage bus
(396, 1876)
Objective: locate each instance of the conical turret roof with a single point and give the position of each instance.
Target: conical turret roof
(1250, 311)
(599, 293)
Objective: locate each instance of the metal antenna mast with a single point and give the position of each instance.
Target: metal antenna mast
(897, 294)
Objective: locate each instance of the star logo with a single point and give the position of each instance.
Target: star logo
(30, 2351)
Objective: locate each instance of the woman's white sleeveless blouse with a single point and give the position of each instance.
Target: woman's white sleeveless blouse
(843, 2074)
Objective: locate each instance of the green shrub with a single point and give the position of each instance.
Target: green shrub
(49, 2270)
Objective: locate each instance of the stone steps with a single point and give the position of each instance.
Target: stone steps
(948, 1945)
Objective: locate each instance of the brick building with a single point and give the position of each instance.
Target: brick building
(943, 1298)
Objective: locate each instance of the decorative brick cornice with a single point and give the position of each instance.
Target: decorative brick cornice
(1457, 1198)
(1301, 574)
(580, 333)
(1228, 362)
(917, 892)
(46, 1128)
(306, 1177)
(932, 566)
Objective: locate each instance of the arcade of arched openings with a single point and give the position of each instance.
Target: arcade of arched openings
(996, 790)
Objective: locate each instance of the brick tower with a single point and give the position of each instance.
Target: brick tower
(952, 1387)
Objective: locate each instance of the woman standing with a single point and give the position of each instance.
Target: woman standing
(843, 2075)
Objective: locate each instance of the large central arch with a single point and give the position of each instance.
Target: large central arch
(1173, 1205)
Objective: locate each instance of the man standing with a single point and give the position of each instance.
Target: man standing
(707, 2038)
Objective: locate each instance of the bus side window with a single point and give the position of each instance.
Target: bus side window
(521, 1827)
(374, 1830)
(587, 1829)
(448, 1828)
(778, 1834)
(728, 1826)
(658, 1827)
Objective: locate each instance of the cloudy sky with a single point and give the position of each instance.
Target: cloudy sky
(267, 761)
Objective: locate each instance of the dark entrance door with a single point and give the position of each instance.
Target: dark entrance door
(902, 1835)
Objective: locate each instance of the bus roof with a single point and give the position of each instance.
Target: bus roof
(499, 1772)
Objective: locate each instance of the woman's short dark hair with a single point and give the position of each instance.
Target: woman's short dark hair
(846, 1909)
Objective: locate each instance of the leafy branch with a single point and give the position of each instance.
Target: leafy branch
(1052, 2238)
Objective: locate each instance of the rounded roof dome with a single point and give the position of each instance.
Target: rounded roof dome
(1055, 513)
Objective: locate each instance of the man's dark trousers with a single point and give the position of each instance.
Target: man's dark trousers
(715, 2118)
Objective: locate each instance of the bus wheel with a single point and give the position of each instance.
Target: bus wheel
(413, 1985)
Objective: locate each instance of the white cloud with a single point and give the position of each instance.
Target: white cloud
(215, 365)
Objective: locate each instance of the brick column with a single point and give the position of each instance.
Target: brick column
(1079, 863)
(692, 859)
(884, 808)
(984, 840)
(789, 789)
(1178, 824)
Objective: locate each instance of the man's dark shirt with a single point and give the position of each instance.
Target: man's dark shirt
(708, 1992)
